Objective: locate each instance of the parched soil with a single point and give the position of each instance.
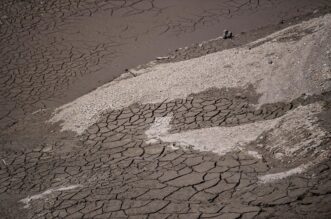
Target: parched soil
(235, 128)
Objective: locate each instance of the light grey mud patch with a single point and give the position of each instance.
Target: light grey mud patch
(160, 127)
(271, 177)
(296, 133)
(220, 140)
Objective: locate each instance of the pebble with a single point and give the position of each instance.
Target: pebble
(227, 34)
(162, 57)
(279, 155)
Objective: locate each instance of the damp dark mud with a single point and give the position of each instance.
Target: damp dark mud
(55, 51)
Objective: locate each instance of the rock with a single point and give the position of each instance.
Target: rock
(227, 34)
(162, 57)
(279, 155)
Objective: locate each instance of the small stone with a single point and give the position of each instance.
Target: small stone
(270, 62)
(162, 57)
(48, 148)
(279, 155)
(227, 34)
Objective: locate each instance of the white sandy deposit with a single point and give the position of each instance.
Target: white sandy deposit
(295, 135)
(282, 175)
(26, 201)
(286, 134)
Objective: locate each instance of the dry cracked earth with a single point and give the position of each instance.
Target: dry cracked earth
(215, 152)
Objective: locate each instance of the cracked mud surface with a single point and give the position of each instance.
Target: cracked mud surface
(55, 51)
(116, 173)
(139, 161)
